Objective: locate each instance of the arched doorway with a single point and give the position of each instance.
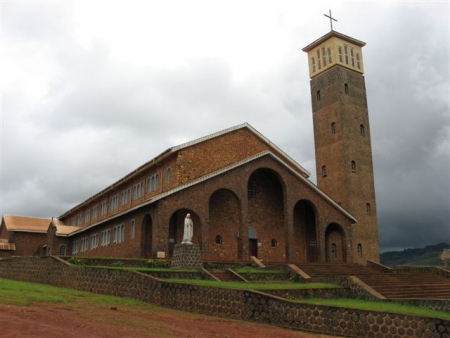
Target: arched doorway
(266, 214)
(147, 230)
(305, 237)
(176, 228)
(224, 224)
(335, 244)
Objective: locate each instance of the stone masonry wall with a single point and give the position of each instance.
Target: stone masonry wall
(239, 304)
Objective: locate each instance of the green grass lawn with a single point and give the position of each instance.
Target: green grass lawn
(381, 306)
(23, 293)
(278, 285)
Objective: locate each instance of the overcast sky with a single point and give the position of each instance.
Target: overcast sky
(91, 90)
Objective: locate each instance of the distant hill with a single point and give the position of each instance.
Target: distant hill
(425, 256)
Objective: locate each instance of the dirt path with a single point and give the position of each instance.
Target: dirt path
(55, 321)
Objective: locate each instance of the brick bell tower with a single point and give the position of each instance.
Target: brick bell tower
(342, 136)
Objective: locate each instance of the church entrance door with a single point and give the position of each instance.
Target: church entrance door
(253, 247)
(252, 241)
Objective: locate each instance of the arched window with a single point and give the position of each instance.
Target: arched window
(333, 127)
(345, 88)
(368, 209)
(218, 240)
(324, 170)
(273, 243)
(62, 250)
(361, 130)
(333, 250)
(359, 248)
(169, 175)
(353, 166)
(318, 95)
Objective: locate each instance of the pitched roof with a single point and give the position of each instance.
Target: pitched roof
(26, 223)
(62, 230)
(173, 150)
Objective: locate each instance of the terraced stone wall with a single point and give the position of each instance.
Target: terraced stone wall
(239, 304)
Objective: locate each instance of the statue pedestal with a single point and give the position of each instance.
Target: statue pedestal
(186, 256)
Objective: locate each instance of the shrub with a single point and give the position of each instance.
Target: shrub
(77, 261)
(158, 263)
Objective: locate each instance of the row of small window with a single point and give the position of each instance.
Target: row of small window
(218, 241)
(319, 96)
(362, 130)
(334, 250)
(352, 167)
(125, 198)
(347, 55)
(82, 245)
(368, 208)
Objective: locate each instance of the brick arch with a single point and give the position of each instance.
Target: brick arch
(266, 214)
(335, 244)
(306, 248)
(224, 221)
(176, 228)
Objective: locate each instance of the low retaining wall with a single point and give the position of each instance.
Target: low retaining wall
(239, 304)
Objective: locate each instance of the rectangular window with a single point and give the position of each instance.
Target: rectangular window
(125, 197)
(340, 54)
(346, 54)
(84, 244)
(352, 53)
(153, 183)
(358, 63)
(138, 190)
(94, 241)
(73, 221)
(95, 212)
(87, 216)
(313, 62)
(119, 233)
(103, 208)
(132, 229)
(329, 55)
(79, 220)
(318, 59)
(114, 202)
(106, 237)
(324, 57)
(75, 247)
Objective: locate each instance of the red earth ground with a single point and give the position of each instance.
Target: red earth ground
(55, 321)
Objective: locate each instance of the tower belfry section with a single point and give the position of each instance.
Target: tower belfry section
(342, 140)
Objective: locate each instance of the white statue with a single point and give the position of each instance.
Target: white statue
(188, 230)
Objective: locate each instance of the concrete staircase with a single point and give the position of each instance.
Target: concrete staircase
(393, 285)
(224, 275)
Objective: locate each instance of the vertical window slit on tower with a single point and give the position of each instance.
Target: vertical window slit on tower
(353, 166)
(324, 171)
(346, 88)
(333, 127)
(361, 130)
(318, 95)
(368, 211)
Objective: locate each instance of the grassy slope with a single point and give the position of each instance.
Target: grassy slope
(22, 293)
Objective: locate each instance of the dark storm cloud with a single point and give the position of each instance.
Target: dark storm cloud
(77, 115)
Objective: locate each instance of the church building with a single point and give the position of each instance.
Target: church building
(246, 196)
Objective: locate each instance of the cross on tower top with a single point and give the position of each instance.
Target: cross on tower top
(331, 19)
